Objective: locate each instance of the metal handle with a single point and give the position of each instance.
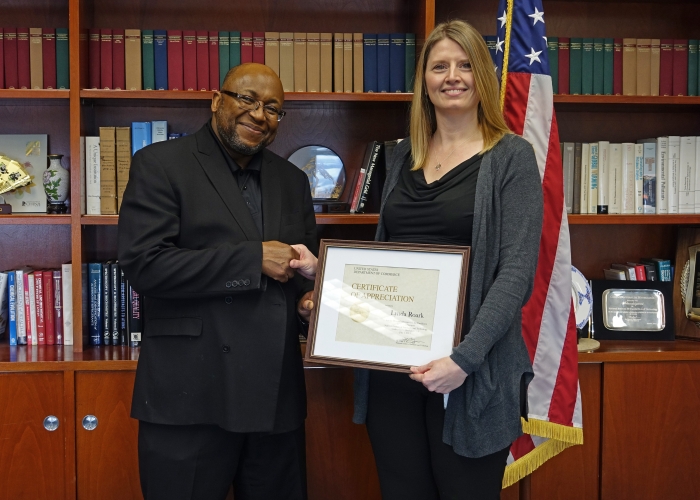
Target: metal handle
(51, 423)
(89, 422)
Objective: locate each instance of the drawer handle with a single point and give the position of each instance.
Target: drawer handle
(89, 422)
(51, 423)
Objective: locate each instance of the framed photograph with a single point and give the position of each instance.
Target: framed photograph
(387, 306)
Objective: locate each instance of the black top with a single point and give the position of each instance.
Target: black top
(248, 180)
(439, 213)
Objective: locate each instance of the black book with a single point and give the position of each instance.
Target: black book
(374, 159)
(135, 321)
(114, 316)
(106, 301)
(123, 308)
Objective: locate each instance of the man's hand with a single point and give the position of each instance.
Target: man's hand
(306, 263)
(305, 305)
(442, 375)
(275, 260)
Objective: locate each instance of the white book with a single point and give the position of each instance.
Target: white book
(697, 175)
(585, 176)
(67, 303)
(627, 179)
(603, 176)
(650, 179)
(19, 302)
(674, 162)
(662, 175)
(83, 202)
(638, 178)
(593, 184)
(615, 179)
(568, 165)
(32, 307)
(686, 175)
(92, 175)
(159, 131)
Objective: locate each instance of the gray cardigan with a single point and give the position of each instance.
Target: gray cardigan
(483, 414)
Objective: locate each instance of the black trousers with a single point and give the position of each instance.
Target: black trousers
(200, 462)
(404, 422)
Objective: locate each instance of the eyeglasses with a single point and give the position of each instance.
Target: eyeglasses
(249, 104)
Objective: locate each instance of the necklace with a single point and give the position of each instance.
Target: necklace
(439, 164)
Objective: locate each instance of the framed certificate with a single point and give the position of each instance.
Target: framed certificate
(387, 306)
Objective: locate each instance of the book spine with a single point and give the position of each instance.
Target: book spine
(246, 47)
(118, 60)
(259, 47)
(10, 56)
(587, 66)
(106, 305)
(148, 60)
(106, 76)
(638, 161)
(358, 61)
(92, 175)
(62, 58)
(132, 59)
(603, 176)
(49, 326)
(224, 56)
(287, 61)
(140, 136)
(662, 175)
(37, 276)
(299, 62)
(175, 74)
(368, 177)
(674, 157)
(585, 176)
(2, 58)
(687, 168)
(12, 306)
(599, 66)
(58, 306)
(617, 66)
(135, 319)
(123, 137)
(608, 66)
(615, 179)
(114, 291)
(313, 62)
(693, 68)
(383, 68)
(564, 64)
(680, 67)
(214, 60)
(30, 308)
(575, 66)
(593, 167)
(355, 201)
(159, 131)
(36, 63)
(411, 61)
(567, 152)
(123, 308)
(629, 66)
(649, 178)
(337, 62)
(108, 171)
(202, 60)
(48, 54)
(189, 59)
(326, 62)
(643, 66)
(23, 71)
(234, 52)
(160, 59)
(552, 55)
(22, 338)
(666, 67)
(347, 62)
(67, 303)
(369, 54)
(655, 64)
(628, 174)
(697, 175)
(397, 62)
(576, 209)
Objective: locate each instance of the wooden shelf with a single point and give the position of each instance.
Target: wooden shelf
(99, 220)
(690, 219)
(34, 219)
(34, 94)
(619, 351)
(113, 220)
(207, 95)
(625, 99)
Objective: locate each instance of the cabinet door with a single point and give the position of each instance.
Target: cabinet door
(107, 455)
(32, 463)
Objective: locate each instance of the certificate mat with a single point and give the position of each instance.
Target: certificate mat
(387, 306)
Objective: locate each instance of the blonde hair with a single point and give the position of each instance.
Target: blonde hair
(490, 118)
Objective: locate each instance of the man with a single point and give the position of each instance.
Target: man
(205, 230)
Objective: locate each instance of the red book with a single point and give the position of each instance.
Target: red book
(246, 47)
(118, 68)
(49, 327)
(2, 59)
(94, 56)
(48, 56)
(27, 308)
(23, 73)
(563, 65)
(259, 47)
(58, 306)
(202, 60)
(106, 80)
(666, 67)
(175, 75)
(39, 306)
(11, 81)
(189, 58)
(213, 60)
(617, 66)
(680, 67)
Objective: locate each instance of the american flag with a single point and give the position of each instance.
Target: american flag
(549, 325)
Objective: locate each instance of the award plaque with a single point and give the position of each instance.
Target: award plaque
(387, 306)
(633, 310)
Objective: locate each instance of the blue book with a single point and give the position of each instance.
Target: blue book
(369, 65)
(383, 57)
(140, 136)
(95, 301)
(491, 44)
(160, 59)
(159, 131)
(234, 49)
(410, 61)
(12, 305)
(172, 136)
(397, 62)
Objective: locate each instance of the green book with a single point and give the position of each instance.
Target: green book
(575, 54)
(410, 60)
(693, 67)
(553, 56)
(62, 59)
(234, 48)
(587, 67)
(608, 45)
(223, 56)
(598, 66)
(147, 61)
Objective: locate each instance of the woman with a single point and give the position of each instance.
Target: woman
(462, 178)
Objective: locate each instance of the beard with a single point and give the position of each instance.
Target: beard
(228, 134)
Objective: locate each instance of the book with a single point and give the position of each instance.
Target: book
(697, 175)
(608, 66)
(246, 47)
(614, 274)
(358, 76)
(337, 62)
(30, 308)
(118, 60)
(10, 58)
(313, 62)
(287, 60)
(132, 59)
(224, 57)
(20, 310)
(347, 62)
(411, 61)
(593, 183)
(106, 310)
(23, 70)
(648, 175)
(108, 171)
(135, 320)
(106, 67)
(603, 174)
(62, 58)
(666, 67)
(655, 66)
(299, 62)
(585, 176)
(12, 308)
(687, 173)
(202, 60)
(175, 60)
(638, 178)
(123, 144)
(383, 62)
(234, 49)
(552, 56)
(360, 178)
(587, 66)
(680, 67)
(92, 175)
(639, 270)
(662, 175)
(629, 66)
(575, 65)
(94, 52)
(326, 62)
(57, 304)
(259, 47)
(140, 136)
(693, 67)
(95, 295)
(123, 308)
(599, 66)
(371, 172)
(564, 65)
(36, 62)
(576, 204)
(567, 152)
(617, 66)
(643, 66)
(4, 312)
(662, 266)
(272, 51)
(674, 159)
(615, 179)
(630, 273)
(114, 315)
(397, 62)
(159, 131)
(214, 60)
(369, 66)
(147, 60)
(189, 60)
(38, 277)
(160, 59)
(2, 58)
(67, 302)
(628, 198)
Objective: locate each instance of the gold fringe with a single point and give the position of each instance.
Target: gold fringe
(506, 53)
(560, 438)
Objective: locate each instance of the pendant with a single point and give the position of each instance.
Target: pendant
(437, 167)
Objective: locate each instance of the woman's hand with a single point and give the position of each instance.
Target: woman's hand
(442, 375)
(306, 263)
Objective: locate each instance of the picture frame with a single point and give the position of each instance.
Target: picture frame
(387, 306)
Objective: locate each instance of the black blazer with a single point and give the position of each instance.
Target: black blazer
(220, 340)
